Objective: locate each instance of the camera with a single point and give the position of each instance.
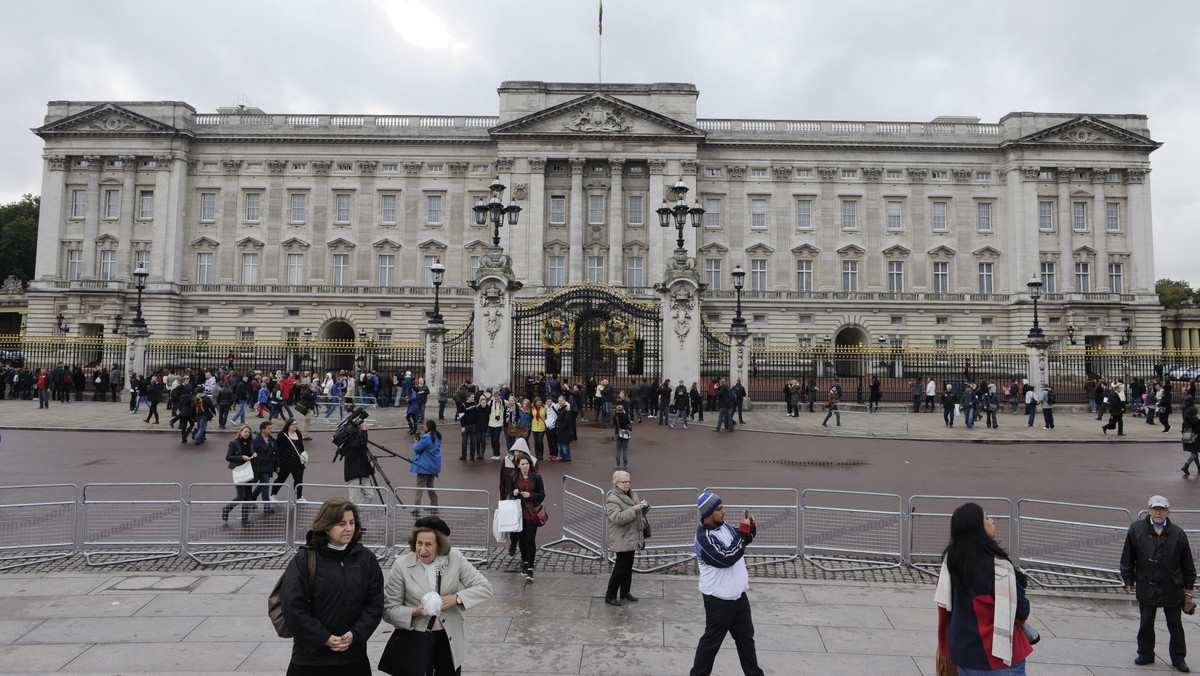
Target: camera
(348, 428)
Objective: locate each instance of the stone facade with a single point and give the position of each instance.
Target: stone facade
(270, 224)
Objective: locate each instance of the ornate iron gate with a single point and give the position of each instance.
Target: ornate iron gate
(587, 330)
(714, 353)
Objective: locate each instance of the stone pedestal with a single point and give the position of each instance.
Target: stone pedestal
(137, 340)
(1039, 363)
(739, 360)
(495, 286)
(680, 292)
(435, 341)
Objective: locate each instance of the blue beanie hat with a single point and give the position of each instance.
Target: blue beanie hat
(707, 504)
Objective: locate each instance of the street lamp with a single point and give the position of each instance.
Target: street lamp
(438, 272)
(1128, 336)
(496, 209)
(1035, 292)
(739, 279)
(1071, 333)
(62, 326)
(117, 325)
(362, 348)
(140, 276)
(678, 194)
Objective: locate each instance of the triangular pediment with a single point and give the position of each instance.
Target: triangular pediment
(204, 243)
(1086, 132)
(806, 250)
(249, 243)
(1084, 251)
(986, 252)
(104, 239)
(714, 249)
(851, 250)
(597, 115)
(386, 243)
(294, 243)
(941, 252)
(107, 119)
(339, 243)
(759, 249)
(431, 245)
(476, 245)
(896, 251)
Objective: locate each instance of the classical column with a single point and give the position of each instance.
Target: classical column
(1139, 233)
(365, 219)
(130, 210)
(575, 270)
(616, 223)
(91, 221)
(654, 233)
(1185, 340)
(51, 217)
(1169, 339)
(168, 248)
(1066, 226)
(535, 223)
(1100, 228)
(409, 259)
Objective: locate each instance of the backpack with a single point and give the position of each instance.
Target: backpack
(1051, 397)
(275, 603)
(198, 405)
(67, 377)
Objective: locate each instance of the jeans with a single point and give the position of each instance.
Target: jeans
(480, 441)
(331, 406)
(538, 449)
(201, 428)
(494, 435)
(721, 617)
(680, 413)
(1017, 669)
(43, 398)
(241, 414)
(564, 449)
(969, 417)
(622, 576)
(528, 543)
(222, 415)
(948, 415)
(441, 410)
(623, 454)
(1031, 411)
(725, 415)
(607, 411)
(833, 411)
(1048, 416)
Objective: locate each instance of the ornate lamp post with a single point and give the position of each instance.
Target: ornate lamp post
(140, 276)
(362, 348)
(62, 326)
(1128, 336)
(495, 209)
(117, 325)
(680, 210)
(1071, 333)
(1035, 292)
(438, 272)
(739, 279)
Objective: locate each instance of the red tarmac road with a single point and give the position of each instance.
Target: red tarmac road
(1121, 475)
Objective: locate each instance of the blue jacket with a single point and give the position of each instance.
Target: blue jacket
(414, 403)
(268, 454)
(714, 553)
(967, 632)
(427, 455)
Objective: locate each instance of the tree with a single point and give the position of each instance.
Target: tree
(1173, 292)
(18, 237)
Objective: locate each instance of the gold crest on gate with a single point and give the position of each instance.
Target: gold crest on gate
(557, 334)
(616, 334)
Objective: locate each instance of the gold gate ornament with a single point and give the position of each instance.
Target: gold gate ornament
(616, 334)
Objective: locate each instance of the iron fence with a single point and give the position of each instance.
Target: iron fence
(929, 526)
(37, 524)
(1070, 535)
(211, 540)
(851, 530)
(120, 529)
(46, 352)
(583, 522)
(458, 356)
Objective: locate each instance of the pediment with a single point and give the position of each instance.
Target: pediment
(294, 243)
(1086, 131)
(386, 243)
(897, 251)
(249, 243)
(1084, 194)
(204, 243)
(597, 115)
(106, 239)
(806, 250)
(759, 249)
(431, 245)
(555, 243)
(1084, 251)
(477, 246)
(941, 252)
(851, 250)
(105, 120)
(986, 252)
(339, 243)
(635, 245)
(713, 248)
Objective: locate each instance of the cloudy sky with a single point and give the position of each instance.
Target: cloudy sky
(786, 59)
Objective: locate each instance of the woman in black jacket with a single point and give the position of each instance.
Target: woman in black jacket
(290, 445)
(527, 486)
(1191, 430)
(241, 450)
(332, 616)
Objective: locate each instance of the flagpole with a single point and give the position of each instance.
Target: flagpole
(600, 43)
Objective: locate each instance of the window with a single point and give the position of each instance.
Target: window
(983, 176)
(939, 175)
(895, 215)
(435, 168)
(758, 341)
(635, 214)
(804, 275)
(477, 169)
(895, 272)
(1116, 282)
(804, 319)
(108, 265)
(849, 173)
(1113, 177)
(473, 263)
(712, 213)
(433, 209)
(208, 206)
(986, 344)
(712, 172)
(758, 275)
(141, 259)
(341, 269)
(387, 269)
(850, 276)
(387, 209)
(342, 205)
(253, 207)
(299, 166)
(897, 320)
(1078, 175)
(392, 167)
(712, 273)
(78, 203)
(247, 312)
(983, 216)
(385, 314)
(204, 270)
(942, 321)
(595, 269)
(1083, 278)
(595, 209)
(112, 203)
(295, 269)
(249, 268)
(429, 261)
(939, 217)
(760, 319)
(1079, 216)
(297, 215)
(1112, 216)
(758, 173)
(293, 312)
(941, 343)
(941, 277)
(635, 271)
(1045, 215)
(247, 335)
(558, 210)
(146, 204)
(345, 166)
(202, 312)
(555, 271)
(758, 213)
(803, 214)
(894, 175)
(849, 215)
(985, 278)
(804, 173)
(1049, 280)
(987, 321)
(209, 166)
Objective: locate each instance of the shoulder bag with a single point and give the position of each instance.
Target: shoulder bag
(645, 527)
(409, 652)
(275, 603)
(1189, 436)
(243, 473)
(541, 516)
(623, 432)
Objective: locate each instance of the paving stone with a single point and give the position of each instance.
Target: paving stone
(122, 605)
(39, 659)
(112, 630)
(162, 657)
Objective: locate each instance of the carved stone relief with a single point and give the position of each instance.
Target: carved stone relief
(872, 174)
(917, 175)
(598, 119)
(504, 164)
(57, 162)
(827, 173)
(231, 166)
(492, 304)
(537, 165)
(961, 175)
(412, 168)
(367, 167)
(276, 166)
(520, 191)
(458, 169)
(736, 173)
(321, 167)
(681, 306)
(657, 166)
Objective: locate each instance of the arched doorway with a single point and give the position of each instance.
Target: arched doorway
(849, 358)
(335, 351)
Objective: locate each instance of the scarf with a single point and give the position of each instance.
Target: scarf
(1004, 610)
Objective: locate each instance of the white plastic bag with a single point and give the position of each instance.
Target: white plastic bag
(507, 519)
(243, 473)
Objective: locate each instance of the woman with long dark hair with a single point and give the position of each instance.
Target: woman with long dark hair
(292, 459)
(527, 486)
(427, 462)
(981, 600)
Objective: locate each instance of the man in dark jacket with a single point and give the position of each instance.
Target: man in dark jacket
(357, 469)
(1157, 563)
(266, 462)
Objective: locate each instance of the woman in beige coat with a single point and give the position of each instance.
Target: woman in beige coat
(417, 573)
(624, 512)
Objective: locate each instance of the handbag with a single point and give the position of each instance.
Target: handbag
(944, 667)
(645, 527)
(408, 652)
(243, 473)
(275, 603)
(303, 457)
(1188, 436)
(541, 516)
(514, 430)
(301, 409)
(622, 433)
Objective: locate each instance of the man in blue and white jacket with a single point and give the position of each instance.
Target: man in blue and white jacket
(720, 551)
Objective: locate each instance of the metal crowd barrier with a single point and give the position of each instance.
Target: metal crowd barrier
(777, 521)
(583, 521)
(673, 520)
(467, 511)
(857, 421)
(929, 526)
(119, 529)
(37, 524)
(1084, 537)
(835, 527)
(213, 534)
(375, 518)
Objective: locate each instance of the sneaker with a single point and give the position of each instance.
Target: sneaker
(671, 426)
(529, 576)
(685, 427)
(305, 500)
(495, 457)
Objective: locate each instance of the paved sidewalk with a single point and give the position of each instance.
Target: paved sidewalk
(215, 622)
(1070, 425)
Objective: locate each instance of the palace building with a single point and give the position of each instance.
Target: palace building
(270, 225)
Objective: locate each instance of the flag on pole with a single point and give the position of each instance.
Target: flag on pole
(601, 17)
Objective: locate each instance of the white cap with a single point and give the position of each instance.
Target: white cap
(1158, 501)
